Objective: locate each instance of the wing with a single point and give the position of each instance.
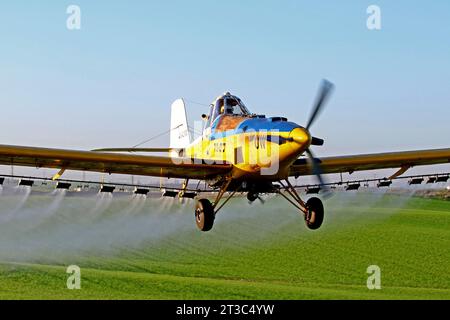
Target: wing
(406, 159)
(110, 162)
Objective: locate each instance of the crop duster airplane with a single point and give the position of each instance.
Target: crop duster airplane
(238, 151)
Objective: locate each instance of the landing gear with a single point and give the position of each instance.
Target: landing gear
(314, 216)
(205, 211)
(204, 215)
(312, 210)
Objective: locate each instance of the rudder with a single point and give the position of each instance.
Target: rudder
(180, 137)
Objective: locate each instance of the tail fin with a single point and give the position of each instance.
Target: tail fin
(179, 133)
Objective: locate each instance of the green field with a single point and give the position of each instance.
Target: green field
(254, 251)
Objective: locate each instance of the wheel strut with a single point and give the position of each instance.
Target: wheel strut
(312, 210)
(295, 199)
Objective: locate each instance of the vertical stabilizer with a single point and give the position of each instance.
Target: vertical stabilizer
(180, 137)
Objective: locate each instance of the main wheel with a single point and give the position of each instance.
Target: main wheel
(204, 215)
(314, 217)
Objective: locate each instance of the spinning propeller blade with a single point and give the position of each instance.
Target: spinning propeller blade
(325, 90)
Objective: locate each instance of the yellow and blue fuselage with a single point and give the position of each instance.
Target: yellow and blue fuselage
(256, 146)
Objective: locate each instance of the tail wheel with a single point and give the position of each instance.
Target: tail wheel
(252, 196)
(204, 215)
(314, 216)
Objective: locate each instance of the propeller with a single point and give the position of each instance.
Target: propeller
(317, 171)
(325, 90)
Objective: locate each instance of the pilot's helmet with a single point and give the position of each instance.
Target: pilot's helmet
(232, 102)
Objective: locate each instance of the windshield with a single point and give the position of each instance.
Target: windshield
(226, 104)
(231, 105)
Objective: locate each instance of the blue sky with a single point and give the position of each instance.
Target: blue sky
(112, 82)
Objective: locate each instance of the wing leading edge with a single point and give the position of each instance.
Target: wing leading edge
(110, 162)
(373, 161)
(196, 169)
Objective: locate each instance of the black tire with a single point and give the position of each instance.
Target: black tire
(204, 215)
(314, 217)
(251, 196)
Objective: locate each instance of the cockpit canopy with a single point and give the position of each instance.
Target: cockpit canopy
(227, 104)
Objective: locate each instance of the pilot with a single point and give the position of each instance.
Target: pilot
(228, 106)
